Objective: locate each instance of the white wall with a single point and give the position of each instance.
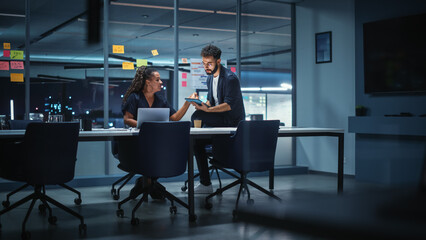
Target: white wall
(325, 92)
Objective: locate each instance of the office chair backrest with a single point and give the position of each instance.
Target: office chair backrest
(254, 144)
(163, 149)
(126, 152)
(51, 151)
(20, 124)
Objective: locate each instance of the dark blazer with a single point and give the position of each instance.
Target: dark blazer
(228, 91)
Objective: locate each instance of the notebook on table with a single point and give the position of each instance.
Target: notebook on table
(152, 114)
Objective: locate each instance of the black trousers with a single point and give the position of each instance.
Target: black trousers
(208, 120)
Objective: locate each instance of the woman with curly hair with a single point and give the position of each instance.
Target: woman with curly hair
(143, 93)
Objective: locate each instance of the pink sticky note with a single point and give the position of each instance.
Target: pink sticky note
(4, 65)
(184, 75)
(183, 83)
(233, 69)
(6, 53)
(16, 65)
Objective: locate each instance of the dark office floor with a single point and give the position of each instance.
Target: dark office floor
(99, 211)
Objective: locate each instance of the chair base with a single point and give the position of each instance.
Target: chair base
(39, 194)
(243, 182)
(154, 187)
(77, 200)
(116, 192)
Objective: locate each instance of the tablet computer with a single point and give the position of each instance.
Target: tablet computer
(197, 101)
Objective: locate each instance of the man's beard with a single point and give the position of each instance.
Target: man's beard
(214, 70)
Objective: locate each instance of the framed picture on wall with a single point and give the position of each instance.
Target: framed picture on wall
(323, 47)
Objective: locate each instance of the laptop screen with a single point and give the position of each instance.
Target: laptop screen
(152, 114)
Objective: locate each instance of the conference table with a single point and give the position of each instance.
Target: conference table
(203, 133)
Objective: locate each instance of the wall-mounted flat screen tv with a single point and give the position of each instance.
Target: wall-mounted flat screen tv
(395, 55)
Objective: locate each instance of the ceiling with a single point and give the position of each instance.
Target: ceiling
(142, 26)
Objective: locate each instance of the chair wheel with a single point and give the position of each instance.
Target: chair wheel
(120, 213)
(82, 229)
(250, 201)
(5, 204)
(113, 191)
(134, 221)
(208, 205)
(173, 210)
(52, 220)
(42, 208)
(115, 196)
(77, 201)
(183, 188)
(26, 235)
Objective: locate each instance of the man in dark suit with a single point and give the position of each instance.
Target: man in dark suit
(224, 107)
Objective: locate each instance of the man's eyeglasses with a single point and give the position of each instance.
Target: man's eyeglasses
(208, 64)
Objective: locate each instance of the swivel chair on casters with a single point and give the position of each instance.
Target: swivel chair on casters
(163, 151)
(19, 125)
(251, 149)
(46, 157)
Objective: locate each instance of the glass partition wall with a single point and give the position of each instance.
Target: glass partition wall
(67, 72)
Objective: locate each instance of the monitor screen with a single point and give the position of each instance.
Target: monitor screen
(395, 55)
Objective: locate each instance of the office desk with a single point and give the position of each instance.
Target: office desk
(202, 133)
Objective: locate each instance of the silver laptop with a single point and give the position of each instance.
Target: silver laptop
(152, 114)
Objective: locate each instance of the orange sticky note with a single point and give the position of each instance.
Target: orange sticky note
(154, 52)
(141, 62)
(184, 60)
(128, 66)
(184, 83)
(4, 65)
(184, 75)
(15, 54)
(16, 65)
(117, 48)
(6, 53)
(17, 77)
(6, 45)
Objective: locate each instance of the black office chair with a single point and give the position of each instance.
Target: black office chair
(211, 168)
(46, 156)
(250, 149)
(162, 152)
(16, 125)
(19, 125)
(122, 150)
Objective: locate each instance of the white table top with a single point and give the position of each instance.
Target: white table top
(119, 132)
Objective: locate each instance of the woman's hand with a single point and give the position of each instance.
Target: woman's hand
(194, 95)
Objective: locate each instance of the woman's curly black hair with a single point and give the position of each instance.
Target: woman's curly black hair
(142, 74)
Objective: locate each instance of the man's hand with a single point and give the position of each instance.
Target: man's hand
(203, 107)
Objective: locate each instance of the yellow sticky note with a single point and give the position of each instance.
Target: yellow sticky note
(6, 45)
(141, 62)
(184, 60)
(14, 54)
(117, 48)
(17, 77)
(154, 52)
(128, 66)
